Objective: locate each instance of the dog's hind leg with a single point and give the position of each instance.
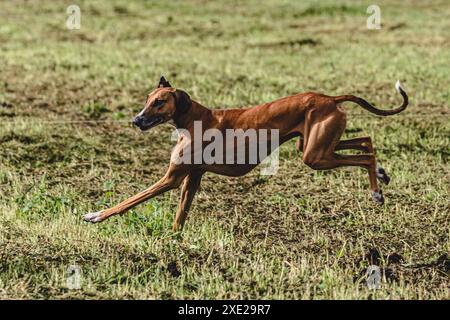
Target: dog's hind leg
(188, 190)
(364, 144)
(319, 151)
(172, 179)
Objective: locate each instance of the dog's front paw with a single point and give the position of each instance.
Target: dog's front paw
(93, 217)
(378, 197)
(382, 175)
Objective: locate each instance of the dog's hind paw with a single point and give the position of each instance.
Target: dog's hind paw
(382, 175)
(378, 197)
(93, 217)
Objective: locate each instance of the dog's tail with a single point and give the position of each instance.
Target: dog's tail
(366, 105)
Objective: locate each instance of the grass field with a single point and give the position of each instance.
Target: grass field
(67, 148)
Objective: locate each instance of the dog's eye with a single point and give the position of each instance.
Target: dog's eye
(158, 103)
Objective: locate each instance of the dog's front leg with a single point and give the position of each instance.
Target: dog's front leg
(171, 180)
(188, 190)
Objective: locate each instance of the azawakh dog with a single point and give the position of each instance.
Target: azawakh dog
(318, 120)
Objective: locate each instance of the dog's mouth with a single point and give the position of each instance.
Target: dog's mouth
(150, 123)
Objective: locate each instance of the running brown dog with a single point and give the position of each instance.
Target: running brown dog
(318, 120)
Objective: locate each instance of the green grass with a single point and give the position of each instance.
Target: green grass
(66, 149)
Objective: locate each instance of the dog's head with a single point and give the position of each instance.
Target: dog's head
(164, 104)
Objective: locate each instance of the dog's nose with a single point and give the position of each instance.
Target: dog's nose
(138, 121)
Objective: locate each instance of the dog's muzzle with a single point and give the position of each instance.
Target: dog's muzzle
(145, 123)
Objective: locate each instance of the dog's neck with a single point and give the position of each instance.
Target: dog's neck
(196, 112)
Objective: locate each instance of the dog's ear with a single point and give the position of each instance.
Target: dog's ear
(182, 101)
(163, 83)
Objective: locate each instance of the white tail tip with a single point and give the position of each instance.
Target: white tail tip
(398, 86)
